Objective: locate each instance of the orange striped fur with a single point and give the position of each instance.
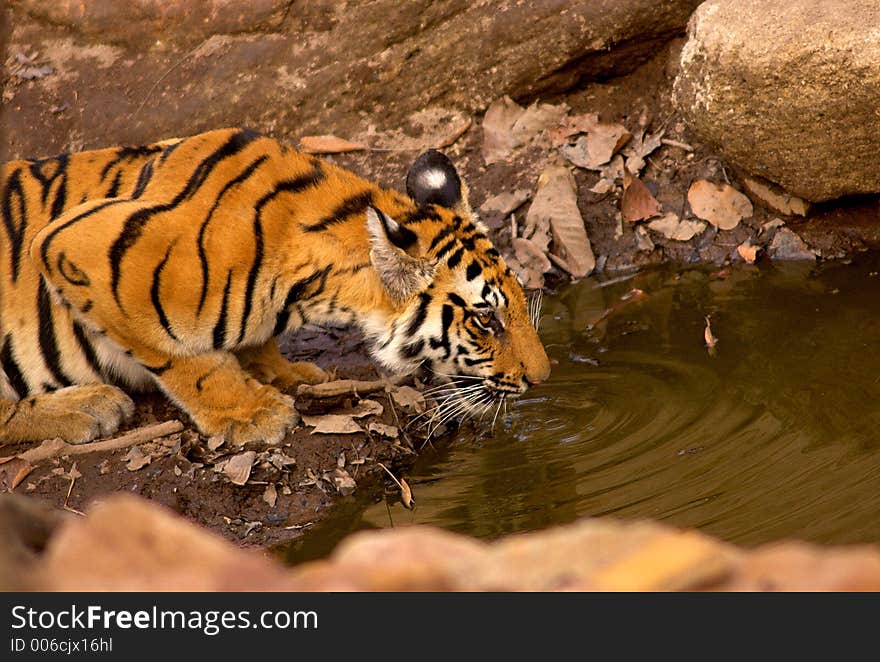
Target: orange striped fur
(175, 266)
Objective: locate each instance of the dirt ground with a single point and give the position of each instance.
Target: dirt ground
(295, 485)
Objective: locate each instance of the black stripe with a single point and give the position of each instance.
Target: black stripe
(294, 294)
(86, 347)
(356, 204)
(419, 215)
(168, 151)
(158, 370)
(474, 269)
(440, 236)
(44, 247)
(447, 316)
(134, 224)
(154, 293)
(60, 200)
(455, 258)
(48, 341)
(220, 326)
(113, 191)
(294, 185)
(473, 362)
(421, 313)
(457, 300)
(413, 349)
(445, 248)
(203, 254)
(125, 153)
(58, 168)
(11, 369)
(70, 272)
(144, 177)
(252, 274)
(13, 196)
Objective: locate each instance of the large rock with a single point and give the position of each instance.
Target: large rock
(788, 89)
(316, 67)
(130, 544)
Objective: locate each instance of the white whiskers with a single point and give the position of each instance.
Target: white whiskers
(535, 303)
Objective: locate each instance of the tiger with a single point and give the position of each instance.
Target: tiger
(177, 265)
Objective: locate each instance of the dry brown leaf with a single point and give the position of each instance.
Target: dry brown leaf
(530, 256)
(708, 336)
(720, 204)
(776, 198)
(748, 251)
(571, 126)
(787, 245)
(639, 148)
(596, 148)
(643, 241)
(270, 495)
(406, 497)
(637, 203)
(384, 430)
(555, 204)
(136, 459)
(332, 424)
(343, 481)
(498, 138)
(408, 399)
(537, 118)
(772, 224)
(328, 144)
(505, 203)
(216, 442)
(671, 227)
(13, 471)
(603, 186)
(531, 279)
(238, 468)
(366, 408)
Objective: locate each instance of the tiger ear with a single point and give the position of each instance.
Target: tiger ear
(394, 254)
(433, 180)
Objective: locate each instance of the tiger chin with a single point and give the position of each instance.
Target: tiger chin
(176, 265)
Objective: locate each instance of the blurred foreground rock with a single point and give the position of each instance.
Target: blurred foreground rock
(788, 90)
(126, 543)
(131, 72)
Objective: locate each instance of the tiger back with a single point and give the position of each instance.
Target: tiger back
(176, 265)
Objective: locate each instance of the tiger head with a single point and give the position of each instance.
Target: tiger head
(460, 313)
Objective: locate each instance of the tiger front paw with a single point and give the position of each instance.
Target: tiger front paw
(76, 414)
(266, 419)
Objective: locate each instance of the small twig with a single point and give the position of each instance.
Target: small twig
(347, 387)
(676, 143)
(73, 473)
(163, 77)
(512, 225)
(58, 447)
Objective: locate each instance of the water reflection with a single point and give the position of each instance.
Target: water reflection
(776, 436)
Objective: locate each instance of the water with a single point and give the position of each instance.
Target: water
(775, 436)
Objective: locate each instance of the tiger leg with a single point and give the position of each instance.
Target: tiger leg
(221, 398)
(76, 414)
(267, 364)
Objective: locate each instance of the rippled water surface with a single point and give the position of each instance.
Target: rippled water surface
(776, 435)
